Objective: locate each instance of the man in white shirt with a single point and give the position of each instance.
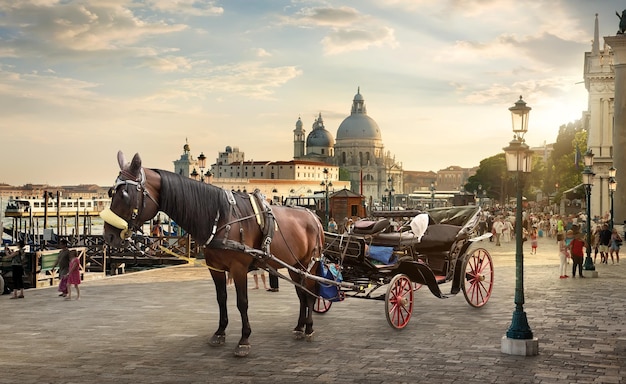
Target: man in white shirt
(498, 228)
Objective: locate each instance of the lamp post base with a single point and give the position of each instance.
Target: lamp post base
(520, 347)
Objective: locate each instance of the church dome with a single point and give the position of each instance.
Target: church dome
(319, 136)
(358, 125)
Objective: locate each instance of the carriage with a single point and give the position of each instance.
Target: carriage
(239, 231)
(381, 262)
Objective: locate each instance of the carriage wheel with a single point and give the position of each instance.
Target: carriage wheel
(399, 301)
(478, 281)
(322, 305)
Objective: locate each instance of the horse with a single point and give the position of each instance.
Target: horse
(237, 232)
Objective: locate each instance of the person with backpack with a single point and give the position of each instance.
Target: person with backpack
(18, 259)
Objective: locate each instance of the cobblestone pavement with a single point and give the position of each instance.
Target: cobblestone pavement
(154, 326)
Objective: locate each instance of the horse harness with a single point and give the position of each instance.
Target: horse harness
(260, 210)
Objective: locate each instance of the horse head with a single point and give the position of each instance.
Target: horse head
(134, 200)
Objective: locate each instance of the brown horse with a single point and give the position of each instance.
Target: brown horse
(225, 223)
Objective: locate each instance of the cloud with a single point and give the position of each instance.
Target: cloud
(347, 28)
(333, 17)
(344, 40)
(47, 89)
(188, 7)
(168, 63)
(251, 80)
(38, 28)
(260, 52)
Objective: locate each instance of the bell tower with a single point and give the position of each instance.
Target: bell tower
(186, 163)
(298, 140)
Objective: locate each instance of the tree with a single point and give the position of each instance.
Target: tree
(564, 166)
(559, 169)
(492, 175)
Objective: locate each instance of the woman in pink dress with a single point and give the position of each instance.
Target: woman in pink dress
(73, 276)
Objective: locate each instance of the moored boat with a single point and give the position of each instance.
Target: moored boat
(36, 207)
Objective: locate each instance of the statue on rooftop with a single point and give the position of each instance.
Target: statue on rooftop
(622, 22)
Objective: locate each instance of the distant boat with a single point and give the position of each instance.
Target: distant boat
(36, 207)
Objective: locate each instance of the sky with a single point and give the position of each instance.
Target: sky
(80, 80)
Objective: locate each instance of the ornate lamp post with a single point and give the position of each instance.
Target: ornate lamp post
(390, 190)
(194, 174)
(432, 194)
(201, 165)
(480, 193)
(612, 188)
(326, 184)
(588, 182)
(519, 338)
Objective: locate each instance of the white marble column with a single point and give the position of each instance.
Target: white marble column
(618, 45)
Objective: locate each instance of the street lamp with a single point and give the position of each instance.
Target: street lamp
(194, 174)
(390, 190)
(588, 182)
(201, 165)
(612, 188)
(326, 184)
(519, 338)
(432, 194)
(480, 192)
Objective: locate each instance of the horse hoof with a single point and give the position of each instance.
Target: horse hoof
(298, 335)
(242, 350)
(217, 340)
(309, 337)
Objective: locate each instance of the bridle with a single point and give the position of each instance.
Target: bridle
(130, 182)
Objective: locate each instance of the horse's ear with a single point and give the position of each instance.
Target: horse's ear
(121, 160)
(135, 165)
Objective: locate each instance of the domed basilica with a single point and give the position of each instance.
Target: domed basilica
(358, 149)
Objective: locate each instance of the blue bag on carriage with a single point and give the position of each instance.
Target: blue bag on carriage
(382, 254)
(329, 271)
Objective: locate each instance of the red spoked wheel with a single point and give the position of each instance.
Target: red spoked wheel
(322, 305)
(399, 301)
(478, 279)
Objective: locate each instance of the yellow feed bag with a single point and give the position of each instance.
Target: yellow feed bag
(112, 219)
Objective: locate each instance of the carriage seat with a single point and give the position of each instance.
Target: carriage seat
(370, 227)
(438, 237)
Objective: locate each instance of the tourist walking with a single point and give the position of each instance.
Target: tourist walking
(498, 227)
(576, 250)
(18, 260)
(533, 241)
(332, 225)
(507, 231)
(73, 276)
(604, 243)
(563, 255)
(255, 274)
(273, 283)
(63, 263)
(616, 243)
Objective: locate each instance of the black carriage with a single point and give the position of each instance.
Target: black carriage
(386, 252)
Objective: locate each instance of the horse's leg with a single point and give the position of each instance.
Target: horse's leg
(219, 337)
(239, 273)
(304, 328)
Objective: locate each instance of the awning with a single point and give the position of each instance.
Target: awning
(574, 188)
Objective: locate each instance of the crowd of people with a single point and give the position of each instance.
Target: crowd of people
(569, 231)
